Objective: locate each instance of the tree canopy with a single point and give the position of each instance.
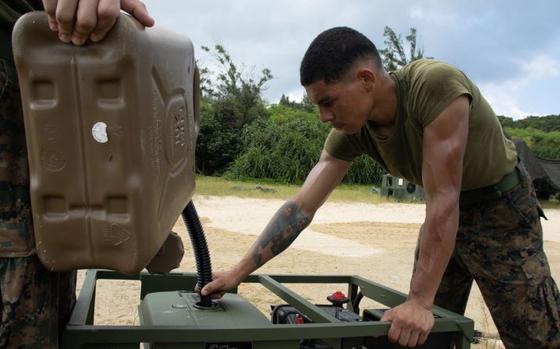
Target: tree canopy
(230, 100)
(395, 55)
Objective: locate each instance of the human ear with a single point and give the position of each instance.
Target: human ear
(367, 79)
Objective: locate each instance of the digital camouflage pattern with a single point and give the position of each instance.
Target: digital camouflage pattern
(36, 303)
(500, 246)
(16, 231)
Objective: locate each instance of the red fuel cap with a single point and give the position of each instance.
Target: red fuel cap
(338, 296)
(338, 299)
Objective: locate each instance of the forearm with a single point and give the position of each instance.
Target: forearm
(281, 231)
(436, 247)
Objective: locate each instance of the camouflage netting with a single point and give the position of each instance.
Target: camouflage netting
(544, 172)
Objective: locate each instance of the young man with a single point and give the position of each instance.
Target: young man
(429, 124)
(36, 303)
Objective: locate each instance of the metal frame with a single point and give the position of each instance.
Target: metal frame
(81, 333)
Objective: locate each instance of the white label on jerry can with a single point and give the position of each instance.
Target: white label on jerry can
(99, 132)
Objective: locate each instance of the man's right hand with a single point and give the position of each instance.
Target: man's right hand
(77, 21)
(221, 283)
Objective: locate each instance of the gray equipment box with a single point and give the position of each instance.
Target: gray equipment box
(401, 189)
(178, 308)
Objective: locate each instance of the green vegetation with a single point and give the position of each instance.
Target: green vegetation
(286, 146)
(242, 137)
(394, 54)
(229, 102)
(220, 186)
(547, 123)
(543, 144)
(553, 202)
(266, 189)
(542, 134)
(283, 147)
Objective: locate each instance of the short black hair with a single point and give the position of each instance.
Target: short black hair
(331, 54)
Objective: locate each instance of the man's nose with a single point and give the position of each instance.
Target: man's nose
(325, 115)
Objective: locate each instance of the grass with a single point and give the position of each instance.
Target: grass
(219, 186)
(552, 203)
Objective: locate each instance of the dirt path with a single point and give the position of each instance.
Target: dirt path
(373, 241)
(249, 216)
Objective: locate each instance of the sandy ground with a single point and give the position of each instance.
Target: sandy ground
(373, 241)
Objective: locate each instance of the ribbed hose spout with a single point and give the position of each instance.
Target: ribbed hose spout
(198, 240)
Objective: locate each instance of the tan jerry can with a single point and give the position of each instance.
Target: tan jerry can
(111, 131)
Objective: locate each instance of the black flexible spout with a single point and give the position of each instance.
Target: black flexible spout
(356, 303)
(198, 240)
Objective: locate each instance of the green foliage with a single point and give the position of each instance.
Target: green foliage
(283, 113)
(305, 103)
(287, 146)
(394, 55)
(217, 146)
(230, 101)
(543, 144)
(284, 150)
(544, 123)
(364, 171)
(228, 80)
(542, 134)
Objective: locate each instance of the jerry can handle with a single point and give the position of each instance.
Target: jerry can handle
(196, 99)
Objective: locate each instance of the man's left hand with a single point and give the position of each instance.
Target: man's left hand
(411, 323)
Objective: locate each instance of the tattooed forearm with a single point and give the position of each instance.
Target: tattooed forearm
(280, 232)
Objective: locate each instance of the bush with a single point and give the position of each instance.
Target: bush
(287, 146)
(543, 144)
(282, 150)
(365, 171)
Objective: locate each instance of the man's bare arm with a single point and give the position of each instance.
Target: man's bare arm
(443, 149)
(281, 231)
(288, 222)
(442, 172)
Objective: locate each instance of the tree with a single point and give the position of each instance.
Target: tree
(230, 101)
(304, 105)
(394, 55)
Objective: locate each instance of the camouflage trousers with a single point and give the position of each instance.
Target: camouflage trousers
(500, 246)
(36, 303)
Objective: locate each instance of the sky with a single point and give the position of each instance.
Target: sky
(510, 49)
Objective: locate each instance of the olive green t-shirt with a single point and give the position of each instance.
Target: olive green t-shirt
(424, 89)
(10, 11)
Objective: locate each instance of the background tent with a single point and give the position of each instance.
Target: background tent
(545, 173)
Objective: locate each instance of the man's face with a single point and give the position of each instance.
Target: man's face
(345, 104)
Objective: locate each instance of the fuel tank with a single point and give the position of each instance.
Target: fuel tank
(111, 131)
